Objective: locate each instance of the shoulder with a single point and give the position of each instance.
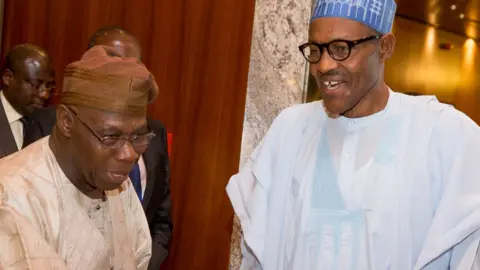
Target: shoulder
(292, 121)
(302, 111)
(27, 166)
(297, 115)
(45, 116)
(24, 185)
(29, 191)
(289, 125)
(454, 127)
(447, 128)
(427, 103)
(158, 144)
(444, 118)
(47, 112)
(157, 126)
(426, 110)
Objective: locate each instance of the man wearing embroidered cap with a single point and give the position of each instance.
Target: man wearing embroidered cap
(64, 201)
(366, 178)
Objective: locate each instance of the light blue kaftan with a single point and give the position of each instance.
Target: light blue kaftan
(396, 190)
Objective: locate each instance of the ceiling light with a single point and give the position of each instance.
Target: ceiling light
(453, 7)
(462, 16)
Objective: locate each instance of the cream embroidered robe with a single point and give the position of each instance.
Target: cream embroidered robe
(46, 223)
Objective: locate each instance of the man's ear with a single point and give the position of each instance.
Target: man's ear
(387, 46)
(64, 120)
(7, 77)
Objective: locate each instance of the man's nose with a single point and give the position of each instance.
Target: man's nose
(128, 153)
(326, 63)
(44, 92)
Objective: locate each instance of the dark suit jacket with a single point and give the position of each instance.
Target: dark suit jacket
(7, 141)
(156, 201)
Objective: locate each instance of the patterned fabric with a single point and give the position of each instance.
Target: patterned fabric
(17, 233)
(105, 82)
(377, 14)
(124, 254)
(51, 213)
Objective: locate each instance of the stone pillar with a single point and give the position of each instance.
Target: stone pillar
(276, 79)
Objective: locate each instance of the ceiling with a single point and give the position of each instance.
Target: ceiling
(458, 16)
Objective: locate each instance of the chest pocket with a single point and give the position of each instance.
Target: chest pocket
(341, 237)
(336, 240)
(333, 237)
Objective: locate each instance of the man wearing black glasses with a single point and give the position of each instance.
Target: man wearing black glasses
(65, 201)
(366, 178)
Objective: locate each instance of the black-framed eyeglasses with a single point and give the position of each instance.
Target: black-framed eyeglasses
(338, 49)
(139, 142)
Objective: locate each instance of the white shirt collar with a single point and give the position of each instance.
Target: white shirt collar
(10, 112)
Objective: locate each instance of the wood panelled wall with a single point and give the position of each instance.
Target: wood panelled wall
(419, 65)
(199, 53)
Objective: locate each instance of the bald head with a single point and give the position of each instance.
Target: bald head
(15, 58)
(120, 39)
(28, 77)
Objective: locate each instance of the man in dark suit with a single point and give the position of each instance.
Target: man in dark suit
(28, 78)
(151, 174)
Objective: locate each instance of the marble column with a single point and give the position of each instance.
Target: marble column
(276, 78)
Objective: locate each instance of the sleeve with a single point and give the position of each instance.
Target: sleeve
(249, 262)
(465, 255)
(476, 263)
(248, 192)
(454, 234)
(161, 227)
(21, 247)
(244, 190)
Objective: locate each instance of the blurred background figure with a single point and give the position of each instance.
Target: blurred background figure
(125, 43)
(28, 79)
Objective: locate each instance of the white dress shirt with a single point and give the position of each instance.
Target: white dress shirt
(13, 118)
(143, 175)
